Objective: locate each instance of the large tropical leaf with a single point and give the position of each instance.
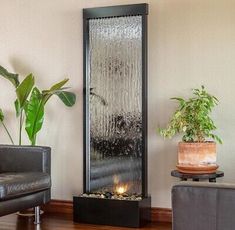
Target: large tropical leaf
(48, 91)
(1, 116)
(68, 98)
(24, 89)
(59, 84)
(12, 77)
(34, 115)
(53, 90)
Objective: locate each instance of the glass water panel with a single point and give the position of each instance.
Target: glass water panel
(115, 104)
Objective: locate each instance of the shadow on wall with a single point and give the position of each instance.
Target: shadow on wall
(20, 66)
(162, 153)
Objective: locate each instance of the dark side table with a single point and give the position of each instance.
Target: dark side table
(197, 177)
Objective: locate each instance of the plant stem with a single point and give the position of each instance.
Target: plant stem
(33, 141)
(9, 135)
(21, 124)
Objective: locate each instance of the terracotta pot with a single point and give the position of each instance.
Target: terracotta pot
(197, 157)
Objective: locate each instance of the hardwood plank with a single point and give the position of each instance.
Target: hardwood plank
(66, 207)
(161, 215)
(62, 222)
(59, 206)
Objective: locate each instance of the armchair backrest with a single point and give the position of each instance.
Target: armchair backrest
(203, 206)
(25, 158)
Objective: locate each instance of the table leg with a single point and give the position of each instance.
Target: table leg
(212, 180)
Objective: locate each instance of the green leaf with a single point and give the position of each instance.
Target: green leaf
(53, 90)
(26, 106)
(59, 84)
(12, 77)
(17, 107)
(218, 139)
(177, 98)
(67, 98)
(34, 115)
(24, 89)
(1, 116)
(48, 91)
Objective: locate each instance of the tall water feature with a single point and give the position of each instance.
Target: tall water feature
(115, 117)
(115, 53)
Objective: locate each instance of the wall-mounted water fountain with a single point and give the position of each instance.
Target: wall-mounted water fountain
(115, 117)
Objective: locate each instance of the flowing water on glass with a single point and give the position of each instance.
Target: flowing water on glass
(115, 104)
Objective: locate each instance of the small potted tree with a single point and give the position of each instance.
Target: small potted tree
(197, 151)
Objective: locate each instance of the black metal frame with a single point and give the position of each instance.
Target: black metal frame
(104, 12)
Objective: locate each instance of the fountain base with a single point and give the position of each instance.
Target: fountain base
(125, 213)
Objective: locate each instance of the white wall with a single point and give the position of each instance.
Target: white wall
(191, 42)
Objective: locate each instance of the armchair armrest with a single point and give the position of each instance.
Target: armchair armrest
(204, 206)
(25, 159)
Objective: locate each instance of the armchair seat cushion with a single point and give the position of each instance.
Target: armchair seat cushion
(13, 185)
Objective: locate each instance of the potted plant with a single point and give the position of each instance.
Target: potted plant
(197, 151)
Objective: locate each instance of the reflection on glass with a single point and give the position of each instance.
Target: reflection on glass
(115, 104)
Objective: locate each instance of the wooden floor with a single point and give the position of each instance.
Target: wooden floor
(61, 222)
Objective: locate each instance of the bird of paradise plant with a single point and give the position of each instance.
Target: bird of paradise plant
(30, 103)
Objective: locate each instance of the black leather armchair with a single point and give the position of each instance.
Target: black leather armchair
(24, 178)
